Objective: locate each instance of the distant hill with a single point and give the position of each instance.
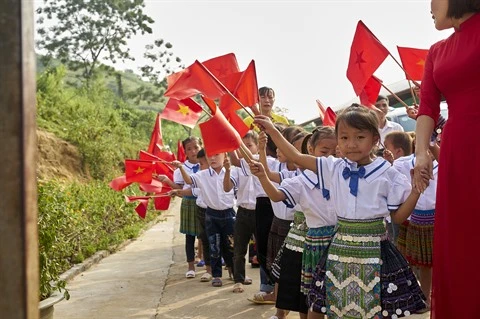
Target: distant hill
(130, 82)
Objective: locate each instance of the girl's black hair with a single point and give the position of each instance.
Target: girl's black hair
(320, 133)
(359, 117)
(201, 153)
(191, 139)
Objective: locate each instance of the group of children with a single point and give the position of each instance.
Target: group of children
(316, 204)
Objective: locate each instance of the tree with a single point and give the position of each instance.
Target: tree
(83, 33)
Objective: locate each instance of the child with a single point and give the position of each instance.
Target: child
(202, 160)
(363, 274)
(419, 233)
(397, 144)
(219, 216)
(245, 218)
(313, 228)
(188, 208)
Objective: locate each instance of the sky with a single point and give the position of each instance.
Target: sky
(301, 48)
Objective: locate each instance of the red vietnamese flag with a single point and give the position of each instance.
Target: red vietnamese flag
(138, 171)
(160, 167)
(246, 91)
(141, 209)
(119, 183)
(330, 118)
(413, 61)
(237, 123)
(218, 135)
(369, 94)
(162, 203)
(156, 140)
(181, 157)
(222, 65)
(366, 55)
(185, 112)
(321, 108)
(154, 187)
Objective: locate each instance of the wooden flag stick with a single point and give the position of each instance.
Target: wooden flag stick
(227, 90)
(245, 153)
(401, 67)
(395, 96)
(411, 92)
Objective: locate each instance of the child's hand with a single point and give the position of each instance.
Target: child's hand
(262, 141)
(161, 178)
(255, 109)
(257, 168)
(264, 123)
(388, 156)
(177, 164)
(226, 162)
(425, 178)
(173, 192)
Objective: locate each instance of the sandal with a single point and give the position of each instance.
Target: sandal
(217, 282)
(238, 287)
(206, 277)
(248, 281)
(259, 298)
(190, 274)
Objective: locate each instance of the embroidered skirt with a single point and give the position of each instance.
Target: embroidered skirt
(402, 237)
(419, 240)
(188, 217)
(276, 237)
(294, 241)
(364, 275)
(317, 241)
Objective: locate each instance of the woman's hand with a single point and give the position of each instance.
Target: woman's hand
(422, 172)
(264, 123)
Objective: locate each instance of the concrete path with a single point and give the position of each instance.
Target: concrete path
(147, 280)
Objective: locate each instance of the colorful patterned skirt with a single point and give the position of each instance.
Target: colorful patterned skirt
(364, 275)
(276, 237)
(294, 241)
(188, 217)
(289, 296)
(317, 241)
(419, 240)
(402, 237)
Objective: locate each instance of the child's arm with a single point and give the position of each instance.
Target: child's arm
(227, 182)
(274, 193)
(234, 158)
(435, 150)
(185, 176)
(168, 181)
(181, 192)
(262, 152)
(402, 213)
(303, 160)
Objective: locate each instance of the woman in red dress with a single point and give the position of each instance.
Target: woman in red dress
(452, 69)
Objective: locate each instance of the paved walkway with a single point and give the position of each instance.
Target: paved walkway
(146, 279)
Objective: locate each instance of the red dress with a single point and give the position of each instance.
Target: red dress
(452, 69)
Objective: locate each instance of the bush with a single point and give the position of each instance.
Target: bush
(76, 220)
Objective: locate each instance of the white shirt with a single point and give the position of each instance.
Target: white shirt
(188, 167)
(304, 190)
(273, 166)
(428, 198)
(381, 190)
(211, 185)
(389, 127)
(245, 184)
(197, 192)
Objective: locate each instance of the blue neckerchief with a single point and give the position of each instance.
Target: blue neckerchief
(354, 176)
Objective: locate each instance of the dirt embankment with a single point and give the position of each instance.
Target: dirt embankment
(58, 159)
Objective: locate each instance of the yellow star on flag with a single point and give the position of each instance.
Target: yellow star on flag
(139, 170)
(421, 62)
(185, 110)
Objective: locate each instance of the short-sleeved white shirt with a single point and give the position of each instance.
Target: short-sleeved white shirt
(211, 185)
(273, 165)
(381, 190)
(197, 192)
(245, 184)
(428, 198)
(304, 190)
(189, 169)
(389, 127)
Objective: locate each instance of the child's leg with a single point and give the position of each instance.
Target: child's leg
(243, 231)
(315, 315)
(213, 232)
(199, 248)
(426, 282)
(190, 251)
(227, 239)
(204, 239)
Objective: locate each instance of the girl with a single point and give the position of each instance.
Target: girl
(363, 274)
(313, 227)
(188, 210)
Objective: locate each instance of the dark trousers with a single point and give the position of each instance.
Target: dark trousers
(244, 229)
(263, 223)
(203, 235)
(219, 225)
(190, 247)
